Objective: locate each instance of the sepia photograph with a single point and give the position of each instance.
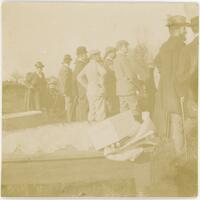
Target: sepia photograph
(99, 99)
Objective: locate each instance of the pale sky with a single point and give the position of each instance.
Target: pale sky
(47, 31)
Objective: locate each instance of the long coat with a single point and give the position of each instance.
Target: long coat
(110, 85)
(65, 81)
(39, 85)
(126, 78)
(29, 93)
(94, 73)
(79, 92)
(187, 75)
(167, 100)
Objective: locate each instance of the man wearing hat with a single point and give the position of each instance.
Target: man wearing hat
(126, 79)
(65, 86)
(112, 100)
(187, 83)
(188, 63)
(167, 111)
(39, 85)
(92, 78)
(80, 97)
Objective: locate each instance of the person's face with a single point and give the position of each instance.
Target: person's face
(84, 56)
(124, 49)
(112, 55)
(182, 32)
(39, 69)
(67, 62)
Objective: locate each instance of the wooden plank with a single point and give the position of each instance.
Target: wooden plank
(23, 120)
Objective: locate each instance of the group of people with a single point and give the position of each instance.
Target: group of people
(99, 87)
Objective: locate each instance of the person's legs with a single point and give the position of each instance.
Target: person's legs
(176, 131)
(37, 100)
(123, 104)
(83, 108)
(91, 102)
(132, 104)
(100, 108)
(68, 108)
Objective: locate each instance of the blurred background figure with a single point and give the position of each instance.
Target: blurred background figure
(112, 100)
(126, 80)
(92, 78)
(167, 116)
(29, 93)
(39, 85)
(55, 100)
(142, 63)
(187, 87)
(79, 92)
(65, 87)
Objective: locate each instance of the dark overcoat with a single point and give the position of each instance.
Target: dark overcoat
(39, 85)
(79, 93)
(167, 100)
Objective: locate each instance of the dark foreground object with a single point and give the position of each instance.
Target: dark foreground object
(97, 176)
(75, 177)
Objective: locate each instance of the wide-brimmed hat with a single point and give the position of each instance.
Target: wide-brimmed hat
(67, 58)
(39, 65)
(194, 21)
(81, 50)
(177, 20)
(121, 43)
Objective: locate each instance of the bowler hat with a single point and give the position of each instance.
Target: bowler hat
(121, 43)
(176, 20)
(67, 58)
(39, 65)
(81, 50)
(194, 21)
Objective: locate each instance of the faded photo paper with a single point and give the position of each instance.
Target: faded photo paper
(99, 99)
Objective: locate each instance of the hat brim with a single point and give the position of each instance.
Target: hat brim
(181, 24)
(39, 66)
(63, 62)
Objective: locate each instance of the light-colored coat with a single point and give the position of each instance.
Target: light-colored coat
(126, 78)
(92, 78)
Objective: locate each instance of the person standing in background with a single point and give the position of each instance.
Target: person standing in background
(167, 117)
(92, 78)
(112, 100)
(29, 93)
(187, 70)
(65, 86)
(80, 98)
(142, 63)
(39, 85)
(187, 87)
(126, 80)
